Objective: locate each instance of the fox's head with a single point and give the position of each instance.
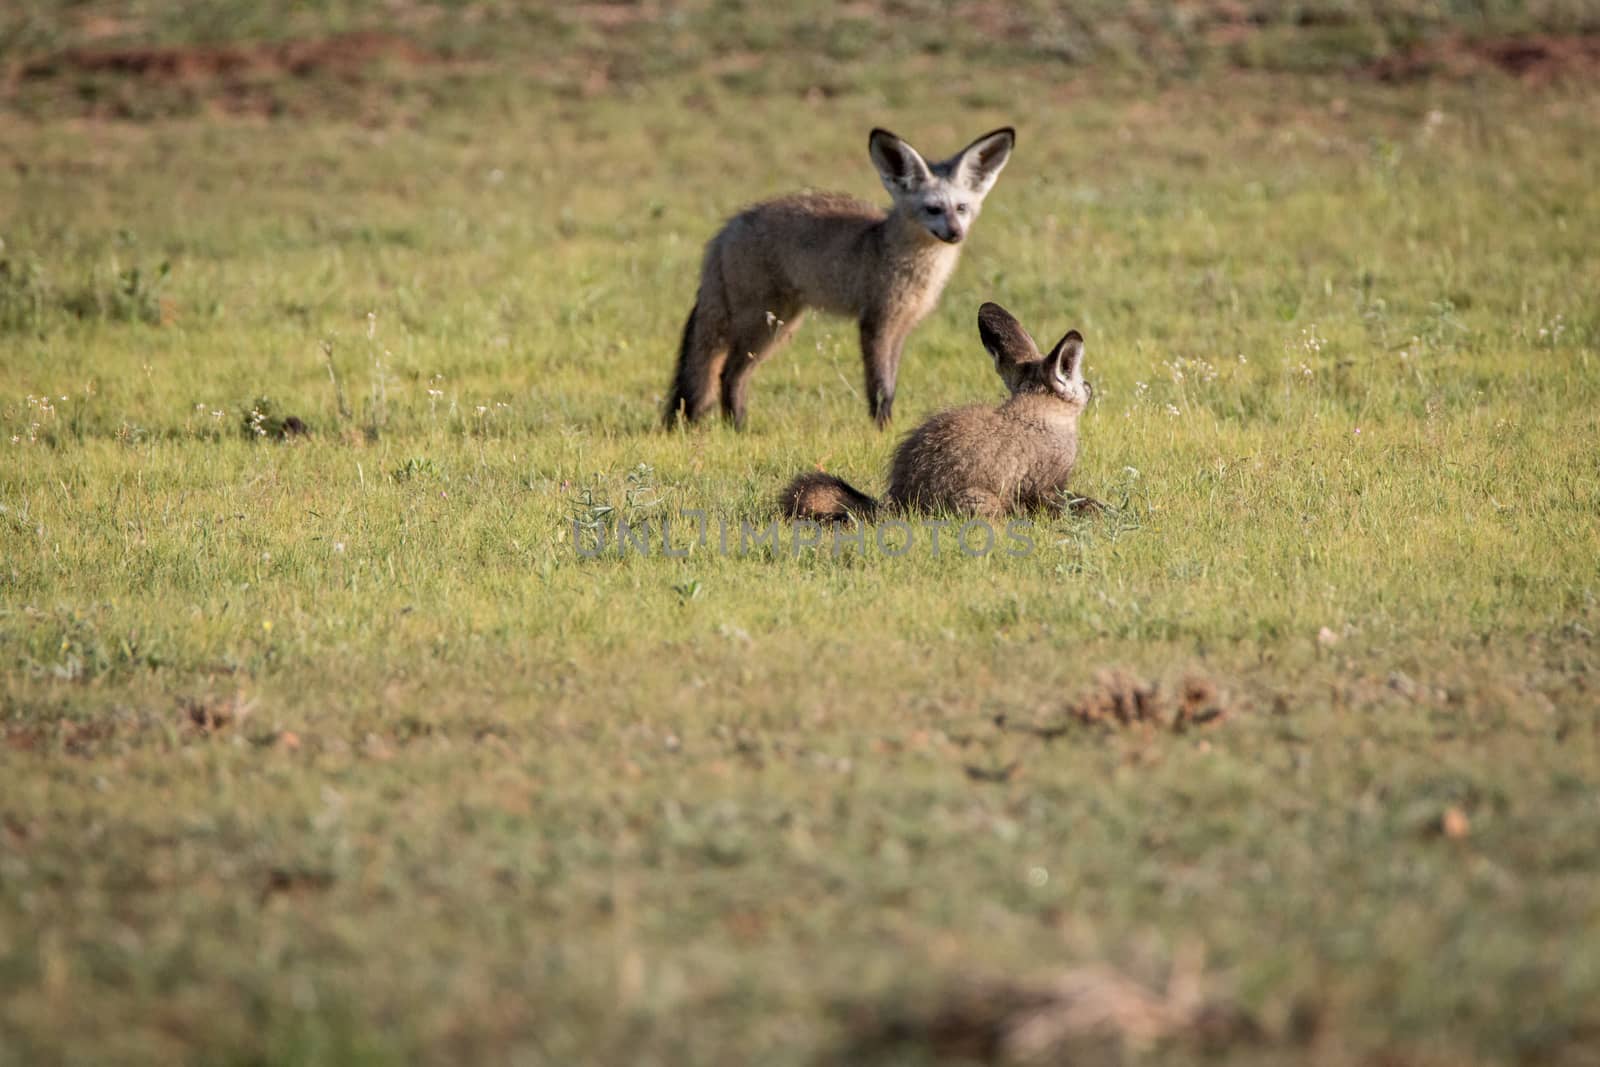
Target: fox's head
(1023, 369)
(945, 197)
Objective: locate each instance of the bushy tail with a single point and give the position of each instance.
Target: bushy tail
(824, 498)
(694, 382)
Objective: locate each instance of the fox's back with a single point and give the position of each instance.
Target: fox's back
(812, 248)
(1021, 452)
(817, 220)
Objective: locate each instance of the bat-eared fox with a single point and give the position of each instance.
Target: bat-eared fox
(980, 461)
(837, 254)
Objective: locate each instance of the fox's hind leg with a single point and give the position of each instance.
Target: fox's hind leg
(753, 339)
(700, 361)
(704, 349)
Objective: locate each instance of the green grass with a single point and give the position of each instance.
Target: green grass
(334, 750)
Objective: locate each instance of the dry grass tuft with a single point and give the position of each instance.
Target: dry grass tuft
(211, 713)
(1119, 698)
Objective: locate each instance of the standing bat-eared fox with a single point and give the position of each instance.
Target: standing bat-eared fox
(835, 253)
(980, 461)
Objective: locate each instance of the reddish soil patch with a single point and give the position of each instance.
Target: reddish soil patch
(1538, 60)
(234, 77)
(349, 53)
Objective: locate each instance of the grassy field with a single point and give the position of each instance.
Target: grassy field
(329, 747)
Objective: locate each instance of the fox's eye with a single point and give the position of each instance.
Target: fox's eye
(935, 209)
(961, 209)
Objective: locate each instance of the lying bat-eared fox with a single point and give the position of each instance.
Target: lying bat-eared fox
(835, 253)
(980, 461)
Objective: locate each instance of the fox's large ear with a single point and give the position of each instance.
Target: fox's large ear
(899, 165)
(1065, 361)
(1004, 336)
(978, 165)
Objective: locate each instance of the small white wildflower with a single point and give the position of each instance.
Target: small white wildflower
(338, 546)
(1172, 409)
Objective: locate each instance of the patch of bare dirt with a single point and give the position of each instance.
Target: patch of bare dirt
(345, 54)
(85, 739)
(613, 16)
(244, 78)
(1536, 60)
(1079, 1015)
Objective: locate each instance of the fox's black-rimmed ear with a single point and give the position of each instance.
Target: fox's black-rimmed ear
(978, 165)
(1065, 361)
(901, 167)
(1003, 336)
